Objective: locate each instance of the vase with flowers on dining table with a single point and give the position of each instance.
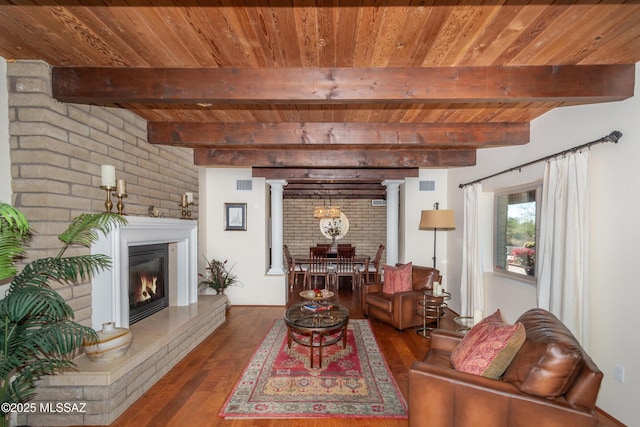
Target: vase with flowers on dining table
(333, 229)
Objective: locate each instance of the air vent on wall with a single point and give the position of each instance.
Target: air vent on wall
(379, 202)
(244, 185)
(427, 186)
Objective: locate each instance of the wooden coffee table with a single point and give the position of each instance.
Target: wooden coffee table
(311, 329)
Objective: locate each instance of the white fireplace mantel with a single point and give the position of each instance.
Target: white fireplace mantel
(109, 295)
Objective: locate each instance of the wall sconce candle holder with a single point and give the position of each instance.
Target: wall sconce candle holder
(184, 204)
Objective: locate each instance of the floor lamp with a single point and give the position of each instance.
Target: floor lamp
(435, 220)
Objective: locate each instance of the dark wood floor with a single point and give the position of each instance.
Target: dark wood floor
(194, 391)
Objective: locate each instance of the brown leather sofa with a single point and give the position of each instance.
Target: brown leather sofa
(550, 358)
(399, 309)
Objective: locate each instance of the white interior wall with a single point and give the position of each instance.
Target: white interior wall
(614, 226)
(245, 250)
(417, 245)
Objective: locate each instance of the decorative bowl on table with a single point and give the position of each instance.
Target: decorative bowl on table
(316, 295)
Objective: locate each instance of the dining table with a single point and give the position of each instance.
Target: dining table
(301, 262)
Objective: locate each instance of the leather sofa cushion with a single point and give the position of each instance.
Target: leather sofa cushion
(549, 360)
(488, 348)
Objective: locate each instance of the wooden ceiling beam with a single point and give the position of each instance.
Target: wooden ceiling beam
(319, 187)
(503, 84)
(344, 195)
(220, 135)
(328, 175)
(354, 158)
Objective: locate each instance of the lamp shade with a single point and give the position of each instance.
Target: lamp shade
(437, 218)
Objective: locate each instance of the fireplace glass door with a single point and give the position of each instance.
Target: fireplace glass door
(148, 277)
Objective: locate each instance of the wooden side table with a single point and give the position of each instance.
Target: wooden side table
(431, 308)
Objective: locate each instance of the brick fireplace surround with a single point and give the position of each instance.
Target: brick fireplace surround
(160, 341)
(56, 151)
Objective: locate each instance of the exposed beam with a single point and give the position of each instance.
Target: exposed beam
(575, 83)
(305, 185)
(355, 194)
(334, 174)
(335, 158)
(434, 135)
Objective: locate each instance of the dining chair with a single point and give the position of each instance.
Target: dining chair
(346, 251)
(372, 271)
(294, 269)
(318, 267)
(345, 266)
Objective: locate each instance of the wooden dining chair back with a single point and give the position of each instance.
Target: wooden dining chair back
(371, 273)
(295, 270)
(346, 251)
(345, 266)
(318, 267)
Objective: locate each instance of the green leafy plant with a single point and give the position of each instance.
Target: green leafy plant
(218, 277)
(37, 331)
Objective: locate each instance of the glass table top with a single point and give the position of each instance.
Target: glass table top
(316, 315)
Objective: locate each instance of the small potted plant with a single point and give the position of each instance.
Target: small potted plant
(218, 277)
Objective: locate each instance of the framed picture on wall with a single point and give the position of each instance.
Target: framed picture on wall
(235, 216)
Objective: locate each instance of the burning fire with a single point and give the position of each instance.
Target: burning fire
(147, 289)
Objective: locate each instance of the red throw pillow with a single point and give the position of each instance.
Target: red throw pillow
(488, 348)
(397, 279)
(495, 317)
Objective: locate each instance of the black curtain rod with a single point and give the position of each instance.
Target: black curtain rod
(612, 137)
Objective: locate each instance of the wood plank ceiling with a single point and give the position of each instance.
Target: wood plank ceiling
(344, 93)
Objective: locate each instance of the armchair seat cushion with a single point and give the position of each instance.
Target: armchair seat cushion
(381, 300)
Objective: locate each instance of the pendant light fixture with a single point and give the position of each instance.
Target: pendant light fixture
(324, 212)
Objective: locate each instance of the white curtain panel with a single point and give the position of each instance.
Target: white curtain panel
(563, 249)
(471, 285)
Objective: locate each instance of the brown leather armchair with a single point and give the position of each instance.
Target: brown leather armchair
(551, 382)
(399, 309)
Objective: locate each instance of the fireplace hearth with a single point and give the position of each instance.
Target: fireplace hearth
(148, 279)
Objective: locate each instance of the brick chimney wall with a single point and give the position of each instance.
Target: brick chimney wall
(57, 150)
(367, 225)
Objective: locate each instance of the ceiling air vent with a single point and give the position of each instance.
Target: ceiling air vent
(244, 185)
(379, 202)
(427, 186)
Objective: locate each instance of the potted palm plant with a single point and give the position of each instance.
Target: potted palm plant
(37, 330)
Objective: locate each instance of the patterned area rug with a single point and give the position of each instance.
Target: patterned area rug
(352, 382)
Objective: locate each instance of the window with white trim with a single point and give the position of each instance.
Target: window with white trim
(517, 222)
